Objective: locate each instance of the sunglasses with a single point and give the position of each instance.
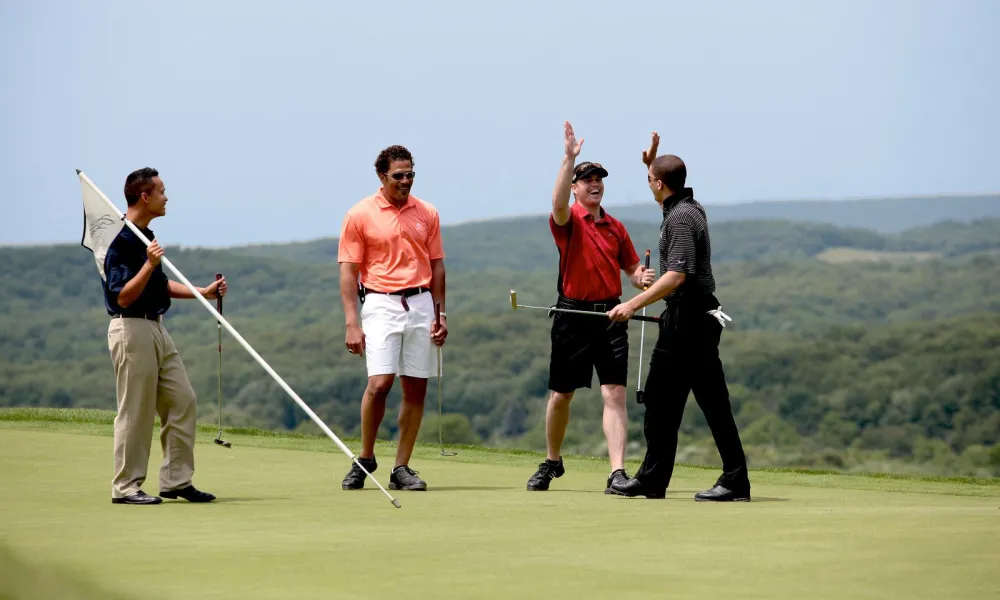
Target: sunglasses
(403, 175)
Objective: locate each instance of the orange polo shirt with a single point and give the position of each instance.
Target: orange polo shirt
(394, 246)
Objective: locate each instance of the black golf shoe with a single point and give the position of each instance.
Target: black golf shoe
(405, 478)
(632, 488)
(722, 494)
(355, 479)
(190, 493)
(139, 497)
(548, 469)
(618, 477)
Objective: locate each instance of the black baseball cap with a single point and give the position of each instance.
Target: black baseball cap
(585, 169)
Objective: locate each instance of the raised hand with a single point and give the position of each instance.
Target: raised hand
(572, 146)
(649, 155)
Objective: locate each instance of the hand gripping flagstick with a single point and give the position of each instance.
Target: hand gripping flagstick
(515, 306)
(239, 338)
(642, 339)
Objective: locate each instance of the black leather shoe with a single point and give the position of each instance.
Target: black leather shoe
(632, 488)
(139, 497)
(190, 494)
(722, 494)
(548, 469)
(618, 476)
(405, 478)
(355, 478)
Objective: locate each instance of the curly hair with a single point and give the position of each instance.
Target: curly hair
(390, 154)
(138, 182)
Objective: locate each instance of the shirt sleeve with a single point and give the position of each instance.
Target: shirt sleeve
(435, 247)
(560, 233)
(117, 272)
(626, 251)
(681, 252)
(351, 248)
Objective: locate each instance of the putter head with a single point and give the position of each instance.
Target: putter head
(223, 443)
(513, 299)
(448, 453)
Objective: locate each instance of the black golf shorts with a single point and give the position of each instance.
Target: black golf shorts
(582, 343)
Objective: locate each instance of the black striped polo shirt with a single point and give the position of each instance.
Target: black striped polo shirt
(685, 246)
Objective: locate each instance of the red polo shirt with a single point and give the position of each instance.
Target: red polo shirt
(592, 254)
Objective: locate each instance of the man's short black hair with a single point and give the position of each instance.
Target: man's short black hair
(138, 182)
(671, 171)
(390, 154)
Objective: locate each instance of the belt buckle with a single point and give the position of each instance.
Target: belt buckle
(602, 307)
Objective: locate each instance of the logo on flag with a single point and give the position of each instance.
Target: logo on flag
(101, 223)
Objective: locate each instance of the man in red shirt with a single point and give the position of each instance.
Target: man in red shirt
(593, 248)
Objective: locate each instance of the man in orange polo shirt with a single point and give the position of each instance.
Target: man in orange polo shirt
(593, 248)
(392, 239)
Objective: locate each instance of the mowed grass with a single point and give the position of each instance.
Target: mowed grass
(283, 528)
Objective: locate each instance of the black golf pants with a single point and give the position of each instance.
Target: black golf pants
(686, 359)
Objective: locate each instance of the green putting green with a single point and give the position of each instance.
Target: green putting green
(283, 528)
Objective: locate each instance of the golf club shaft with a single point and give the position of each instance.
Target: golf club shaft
(440, 403)
(642, 337)
(437, 320)
(590, 312)
(218, 324)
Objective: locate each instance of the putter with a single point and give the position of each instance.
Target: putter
(218, 439)
(515, 306)
(437, 319)
(642, 339)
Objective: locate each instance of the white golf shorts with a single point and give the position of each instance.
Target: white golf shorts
(398, 341)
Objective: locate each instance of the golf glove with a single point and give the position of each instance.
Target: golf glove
(719, 316)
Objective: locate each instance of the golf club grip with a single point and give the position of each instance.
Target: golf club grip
(645, 318)
(218, 299)
(646, 287)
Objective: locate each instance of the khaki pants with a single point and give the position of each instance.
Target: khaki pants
(150, 376)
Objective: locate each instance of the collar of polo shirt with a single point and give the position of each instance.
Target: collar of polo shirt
(583, 212)
(384, 204)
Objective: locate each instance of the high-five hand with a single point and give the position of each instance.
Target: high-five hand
(572, 146)
(649, 155)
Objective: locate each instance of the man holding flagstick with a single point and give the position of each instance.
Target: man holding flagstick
(149, 374)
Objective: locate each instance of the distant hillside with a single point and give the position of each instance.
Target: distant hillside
(839, 365)
(885, 215)
(525, 244)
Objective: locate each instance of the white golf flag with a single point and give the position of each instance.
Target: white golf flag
(101, 224)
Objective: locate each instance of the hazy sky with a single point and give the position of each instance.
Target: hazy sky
(264, 118)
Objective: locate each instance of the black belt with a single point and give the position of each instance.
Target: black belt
(692, 302)
(404, 293)
(147, 316)
(596, 305)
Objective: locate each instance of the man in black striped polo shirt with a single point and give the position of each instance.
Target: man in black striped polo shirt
(686, 355)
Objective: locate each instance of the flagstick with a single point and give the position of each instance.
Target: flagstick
(197, 295)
